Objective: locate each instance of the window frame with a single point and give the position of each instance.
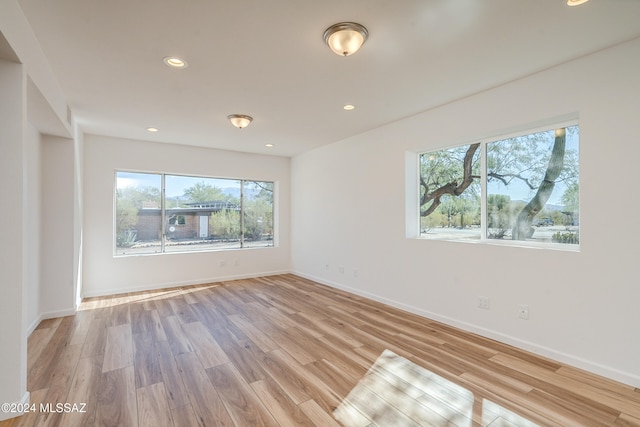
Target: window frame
(413, 229)
(164, 219)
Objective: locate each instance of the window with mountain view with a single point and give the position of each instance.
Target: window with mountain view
(523, 188)
(177, 213)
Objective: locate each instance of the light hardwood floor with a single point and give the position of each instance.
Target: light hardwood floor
(282, 351)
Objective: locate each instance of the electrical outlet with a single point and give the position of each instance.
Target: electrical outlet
(523, 311)
(341, 269)
(223, 263)
(483, 302)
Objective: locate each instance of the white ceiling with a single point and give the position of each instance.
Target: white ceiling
(267, 59)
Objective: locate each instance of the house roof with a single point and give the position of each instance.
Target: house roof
(194, 208)
(267, 59)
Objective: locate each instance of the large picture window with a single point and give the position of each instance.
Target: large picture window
(156, 213)
(522, 188)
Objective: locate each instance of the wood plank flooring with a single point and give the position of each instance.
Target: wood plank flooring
(285, 351)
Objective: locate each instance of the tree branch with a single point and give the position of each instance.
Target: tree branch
(451, 188)
(503, 178)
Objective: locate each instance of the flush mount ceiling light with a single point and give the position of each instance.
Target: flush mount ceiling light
(152, 129)
(345, 38)
(175, 62)
(239, 120)
(576, 2)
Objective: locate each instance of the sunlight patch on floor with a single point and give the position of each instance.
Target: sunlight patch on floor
(396, 392)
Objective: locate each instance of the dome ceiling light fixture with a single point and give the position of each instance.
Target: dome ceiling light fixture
(345, 38)
(576, 2)
(239, 120)
(174, 62)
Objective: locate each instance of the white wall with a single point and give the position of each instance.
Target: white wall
(49, 223)
(43, 104)
(78, 213)
(348, 211)
(21, 296)
(14, 252)
(57, 296)
(104, 155)
(32, 226)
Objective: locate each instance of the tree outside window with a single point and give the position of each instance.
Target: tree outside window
(531, 182)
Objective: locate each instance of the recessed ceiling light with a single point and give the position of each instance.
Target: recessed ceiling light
(268, 145)
(175, 62)
(576, 2)
(152, 129)
(349, 107)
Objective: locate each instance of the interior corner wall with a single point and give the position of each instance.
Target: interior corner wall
(349, 211)
(57, 227)
(103, 273)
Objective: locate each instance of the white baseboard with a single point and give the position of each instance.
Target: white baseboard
(24, 402)
(569, 359)
(49, 315)
(165, 285)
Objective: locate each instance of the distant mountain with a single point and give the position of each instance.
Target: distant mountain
(233, 192)
(548, 206)
(551, 207)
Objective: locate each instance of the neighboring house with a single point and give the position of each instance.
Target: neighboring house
(183, 222)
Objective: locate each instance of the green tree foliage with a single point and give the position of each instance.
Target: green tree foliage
(258, 219)
(225, 224)
(258, 210)
(571, 201)
(128, 201)
(499, 213)
(203, 192)
(126, 213)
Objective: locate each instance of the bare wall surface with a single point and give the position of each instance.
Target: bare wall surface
(13, 256)
(32, 217)
(57, 225)
(349, 211)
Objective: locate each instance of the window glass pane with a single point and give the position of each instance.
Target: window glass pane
(450, 193)
(138, 216)
(258, 213)
(201, 213)
(532, 187)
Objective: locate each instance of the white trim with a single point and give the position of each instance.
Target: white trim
(24, 402)
(50, 315)
(569, 359)
(412, 195)
(166, 285)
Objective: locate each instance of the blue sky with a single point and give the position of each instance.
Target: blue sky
(517, 190)
(175, 184)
